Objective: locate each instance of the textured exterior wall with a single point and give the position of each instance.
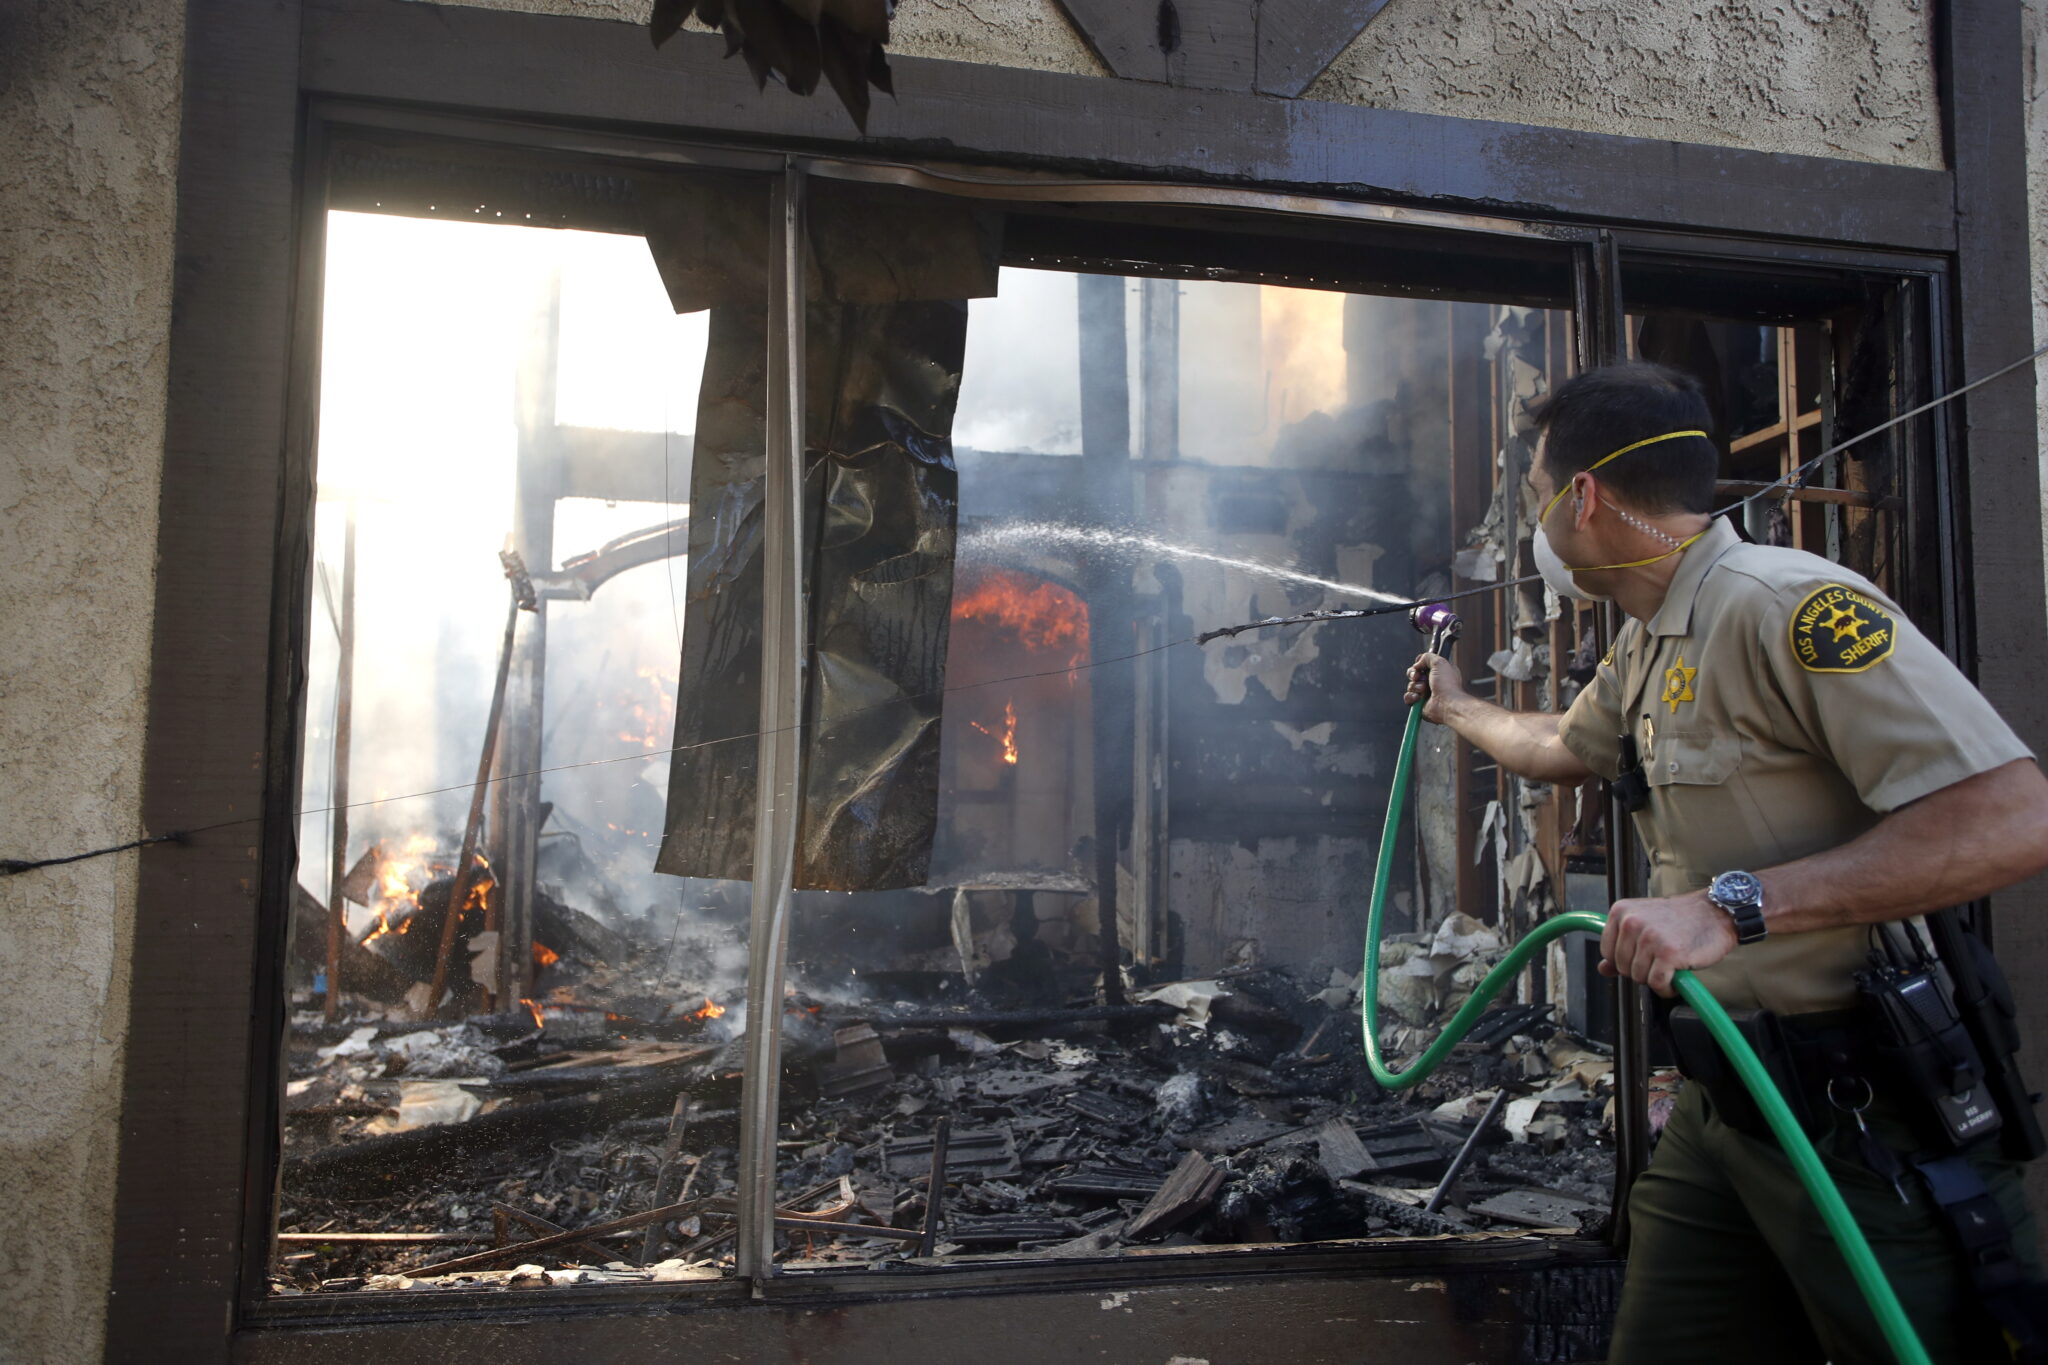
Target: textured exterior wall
(1846, 78)
(88, 142)
(2036, 19)
(1027, 33)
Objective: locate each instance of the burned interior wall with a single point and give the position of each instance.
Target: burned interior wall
(89, 114)
(1281, 743)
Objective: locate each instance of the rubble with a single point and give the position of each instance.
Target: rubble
(918, 1133)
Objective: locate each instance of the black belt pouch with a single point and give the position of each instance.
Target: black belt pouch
(1701, 1060)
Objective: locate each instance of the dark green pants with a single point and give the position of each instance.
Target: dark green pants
(1729, 1260)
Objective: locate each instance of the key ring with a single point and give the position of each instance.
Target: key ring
(1868, 1094)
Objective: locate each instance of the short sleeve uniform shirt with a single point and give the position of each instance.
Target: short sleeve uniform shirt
(1781, 706)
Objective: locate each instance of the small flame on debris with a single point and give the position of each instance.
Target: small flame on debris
(400, 878)
(1009, 734)
(539, 1019)
(712, 1010)
(544, 956)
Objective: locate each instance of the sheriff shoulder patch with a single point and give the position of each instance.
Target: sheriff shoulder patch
(1840, 630)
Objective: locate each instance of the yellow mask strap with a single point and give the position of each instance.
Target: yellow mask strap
(1677, 549)
(1551, 506)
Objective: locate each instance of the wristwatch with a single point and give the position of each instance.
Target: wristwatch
(1741, 894)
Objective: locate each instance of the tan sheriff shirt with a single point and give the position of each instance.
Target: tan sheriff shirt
(1781, 706)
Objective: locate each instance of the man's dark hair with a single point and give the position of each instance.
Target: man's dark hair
(1600, 411)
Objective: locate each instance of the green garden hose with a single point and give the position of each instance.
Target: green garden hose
(1877, 1291)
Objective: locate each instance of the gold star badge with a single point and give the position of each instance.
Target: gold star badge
(1678, 683)
(1844, 622)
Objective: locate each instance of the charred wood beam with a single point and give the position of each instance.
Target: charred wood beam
(535, 1223)
(670, 1185)
(522, 599)
(378, 1165)
(499, 1255)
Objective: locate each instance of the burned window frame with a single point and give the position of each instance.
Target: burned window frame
(466, 170)
(192, 1209)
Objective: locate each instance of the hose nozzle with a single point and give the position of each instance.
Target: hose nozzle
(1437, 621)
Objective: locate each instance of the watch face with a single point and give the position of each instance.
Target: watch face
(1738, 887)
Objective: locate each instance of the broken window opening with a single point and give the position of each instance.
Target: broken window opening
(1115, 1011)
(1204, 451)
(488, 388)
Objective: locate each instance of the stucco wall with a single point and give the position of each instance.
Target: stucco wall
(1027, 33)
(2036, 16)
(1847, 78)
(88, 142)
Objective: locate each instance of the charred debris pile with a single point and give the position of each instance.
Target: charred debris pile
(590, 1135)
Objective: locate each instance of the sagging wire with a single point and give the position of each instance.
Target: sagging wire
(1784, 484)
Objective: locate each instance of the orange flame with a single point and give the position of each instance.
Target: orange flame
(544, 956)
(652, 713)
(539, 1020)
(402, 876)
(712, 1010)
(1009, 735)
(1043, 616)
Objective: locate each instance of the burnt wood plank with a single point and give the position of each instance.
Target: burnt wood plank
(1187, 1191)
(1342, 1154)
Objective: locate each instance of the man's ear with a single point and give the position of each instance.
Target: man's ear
(1585, 496)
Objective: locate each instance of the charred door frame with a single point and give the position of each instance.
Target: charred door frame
(195, 1180)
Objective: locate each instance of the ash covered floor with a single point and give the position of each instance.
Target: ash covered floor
(1231, 1111)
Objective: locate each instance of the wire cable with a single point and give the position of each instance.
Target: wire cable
(1789, 482)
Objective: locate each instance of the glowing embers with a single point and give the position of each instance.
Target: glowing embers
(648, 710)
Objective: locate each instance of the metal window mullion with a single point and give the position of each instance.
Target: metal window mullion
(778, 747)
(1602, 334)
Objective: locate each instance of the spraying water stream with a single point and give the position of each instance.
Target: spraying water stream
(983, 541)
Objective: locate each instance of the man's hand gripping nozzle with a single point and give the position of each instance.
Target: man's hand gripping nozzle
(1441, 625)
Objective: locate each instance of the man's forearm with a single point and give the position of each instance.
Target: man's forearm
(1964, 841)
(1524, 742)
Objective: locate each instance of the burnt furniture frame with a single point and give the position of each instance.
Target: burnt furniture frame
(194, 1201)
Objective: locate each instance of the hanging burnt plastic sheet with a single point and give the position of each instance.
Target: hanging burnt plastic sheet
(886, 331)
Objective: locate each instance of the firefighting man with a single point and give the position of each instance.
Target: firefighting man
(1807, 772)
